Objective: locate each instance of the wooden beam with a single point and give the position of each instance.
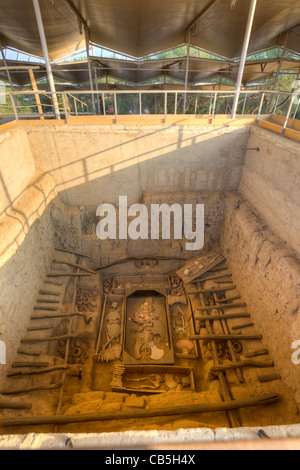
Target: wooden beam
(221, 307)
(223, 337)
(144, 413)
(37, 96)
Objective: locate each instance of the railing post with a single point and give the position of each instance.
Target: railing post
(288, 115)
(165, 105)
(65, 107)
(245, 101)
(140, 103)
(103, 103)
(14, 107)
(210, 103)
(214, 108)
(296, 110)
(116, 107)
(260, 106)
(276, 104)
(176, 102)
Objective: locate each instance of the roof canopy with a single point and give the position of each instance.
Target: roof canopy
(138, 72)
(140, 27)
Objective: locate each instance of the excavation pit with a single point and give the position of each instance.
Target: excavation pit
(106, 336)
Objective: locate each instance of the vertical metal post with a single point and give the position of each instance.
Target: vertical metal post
(37, 96)
(75, 107)
(87, 43)
(214, 108)
(165, 105)
(97, 89)
(103, 103)
(14, 107)
(210, 103)
(65, 107)
(260, 106)
(278, 71)
(288, 115)
(187, 71)
(176, 101)
(245, 101)
(140, 103)
(276, 104)
(244, 56)
(46, 57)
(196, 104)
(296, 111)
(116, 107)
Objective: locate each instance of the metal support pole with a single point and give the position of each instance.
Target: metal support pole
(165, 106)
(140, 103)
(176, 101)
(187, 71)
(260, 106)
(243, 57)
(46, 56)
(87, 43)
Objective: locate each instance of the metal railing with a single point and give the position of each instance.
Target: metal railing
(142, 102)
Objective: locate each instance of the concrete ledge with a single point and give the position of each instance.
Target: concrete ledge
(198, 438)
